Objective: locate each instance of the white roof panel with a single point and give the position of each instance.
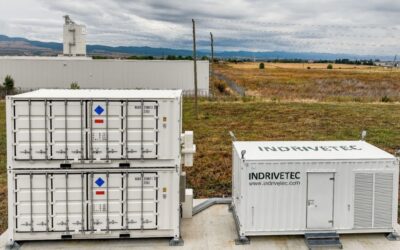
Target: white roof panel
(47, 58)
(99, 94)
(310, 150)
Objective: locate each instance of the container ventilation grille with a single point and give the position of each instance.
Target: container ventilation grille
(373, 197)
(363, 200)
(383, 200)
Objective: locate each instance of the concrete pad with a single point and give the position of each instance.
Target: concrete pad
(213, 228)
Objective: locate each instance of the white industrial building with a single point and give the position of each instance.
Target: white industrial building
(31, 73)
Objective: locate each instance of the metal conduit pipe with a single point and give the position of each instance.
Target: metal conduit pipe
(210, 202)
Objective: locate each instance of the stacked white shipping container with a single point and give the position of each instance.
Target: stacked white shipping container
(95, 164)
(296, 187)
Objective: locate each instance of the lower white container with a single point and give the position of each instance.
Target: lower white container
(282, 188)
(78, 204)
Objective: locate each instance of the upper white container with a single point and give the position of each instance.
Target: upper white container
(297, 186)
(113, 127)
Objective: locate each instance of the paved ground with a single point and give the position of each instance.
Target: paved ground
(213, 228)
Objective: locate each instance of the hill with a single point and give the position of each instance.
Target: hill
(22, 46)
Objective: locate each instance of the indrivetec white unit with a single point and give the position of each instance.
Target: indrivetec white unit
(86, 164)
(295, 187)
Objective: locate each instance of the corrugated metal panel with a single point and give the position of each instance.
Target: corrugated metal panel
(383, 200)
(87, 201)
(270, 205)
(31, 203)
(363, 200)
(101, 129)
(67, 199)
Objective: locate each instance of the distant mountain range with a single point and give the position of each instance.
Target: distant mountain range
(16, 46)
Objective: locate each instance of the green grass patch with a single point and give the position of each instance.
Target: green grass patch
(211, 174)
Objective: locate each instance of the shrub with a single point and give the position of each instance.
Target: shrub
(75, 85)
(308, 67)
(330, 66)
(261, 66)
(248, 98)
(221, 86)
(8, 83)
(385, 99)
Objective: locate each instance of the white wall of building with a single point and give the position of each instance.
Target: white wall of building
(59, 72)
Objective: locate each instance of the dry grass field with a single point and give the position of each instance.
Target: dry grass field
(270, 65)
(314, 82)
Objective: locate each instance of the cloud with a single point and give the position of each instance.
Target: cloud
(338, 26)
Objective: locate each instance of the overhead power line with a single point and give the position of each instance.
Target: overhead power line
(242, 21)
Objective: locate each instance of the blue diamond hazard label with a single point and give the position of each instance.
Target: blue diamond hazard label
(99, 110)
(99, 182)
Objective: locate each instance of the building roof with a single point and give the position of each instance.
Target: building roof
(99, 94)
(310, 150)
(88, 58)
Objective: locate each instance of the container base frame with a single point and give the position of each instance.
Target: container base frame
(176, 241)
(241, 239)
(393, 236)
(13, 246)
(119, 234)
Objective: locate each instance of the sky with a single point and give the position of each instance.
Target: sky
(367, 27)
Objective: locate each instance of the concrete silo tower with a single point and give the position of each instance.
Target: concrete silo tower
(74, 38)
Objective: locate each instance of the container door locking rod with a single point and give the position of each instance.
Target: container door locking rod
(45, 132)
(107, 146)
(81, 111)
(30, 128)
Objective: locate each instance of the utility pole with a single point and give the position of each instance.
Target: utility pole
(212, 54)
(195, 69)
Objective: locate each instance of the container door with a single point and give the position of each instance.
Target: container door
(141, 197)
(106, 200)
(105, 128)
(140, 129)
(320, 190)
(32, 204)
(31, 130)
(67, 130)
(69, 202)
